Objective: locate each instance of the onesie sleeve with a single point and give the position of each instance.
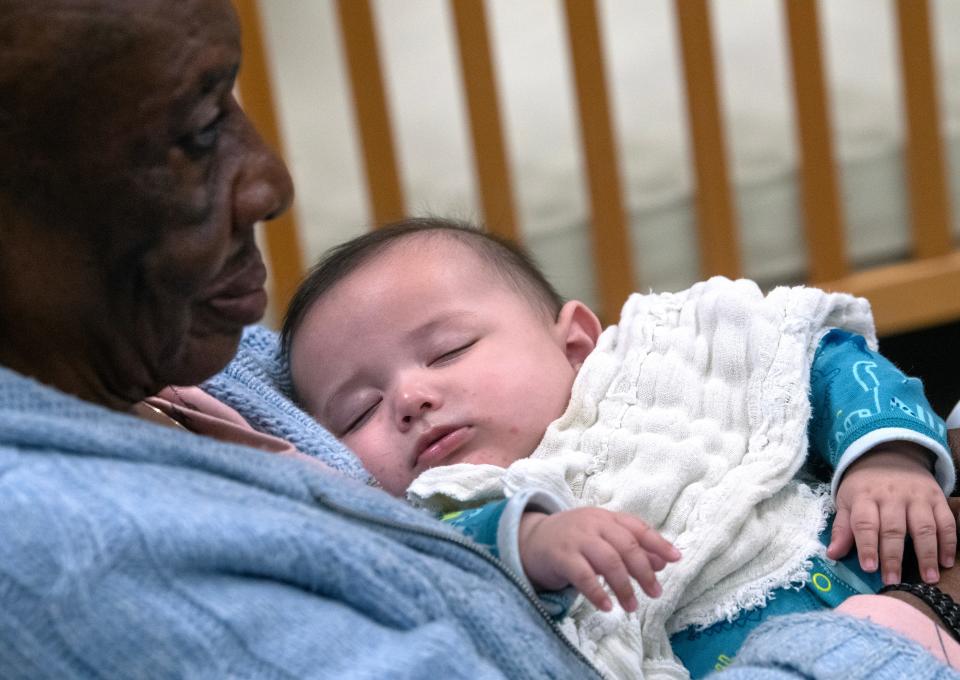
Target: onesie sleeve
(860, 399)
(496, 527)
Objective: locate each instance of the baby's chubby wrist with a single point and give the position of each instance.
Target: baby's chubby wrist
(896, 454)
(525, 510)
(890, 448)
(530, 522)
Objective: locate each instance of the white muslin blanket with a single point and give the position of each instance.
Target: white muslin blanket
(691, 413)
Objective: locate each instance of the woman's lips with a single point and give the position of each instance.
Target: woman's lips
(242, 300)
(442, 444)
(243, 309)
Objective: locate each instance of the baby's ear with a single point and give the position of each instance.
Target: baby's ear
(577, 328)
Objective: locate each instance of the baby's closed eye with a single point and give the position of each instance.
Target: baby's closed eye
(357, 418)
(452, 354)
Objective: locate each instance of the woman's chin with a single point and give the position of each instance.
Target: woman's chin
(202, 357)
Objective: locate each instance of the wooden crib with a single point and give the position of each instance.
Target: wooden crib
(910, 294)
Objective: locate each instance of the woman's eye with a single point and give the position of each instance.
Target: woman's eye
(362, 419)
(203, 140)
(453, 354)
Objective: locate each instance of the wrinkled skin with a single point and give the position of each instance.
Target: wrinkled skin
(127, 253)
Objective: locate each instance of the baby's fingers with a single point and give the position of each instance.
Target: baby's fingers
(640, 564)
(865, 522)
(946, 533)
(649, 539)
(893, 531)
(841, 537)
(582, 576)
(656, 562)
(606, 560)
(923, 530)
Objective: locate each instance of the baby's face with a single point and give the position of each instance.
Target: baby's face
(425, 357)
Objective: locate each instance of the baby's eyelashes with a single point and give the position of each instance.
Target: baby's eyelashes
(360, 420)
(452, 354)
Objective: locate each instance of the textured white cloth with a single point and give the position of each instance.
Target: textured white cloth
(691, 413)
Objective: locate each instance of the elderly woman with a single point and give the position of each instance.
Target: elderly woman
(131, 545)
(129, 191)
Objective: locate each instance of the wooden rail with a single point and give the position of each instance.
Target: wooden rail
(611, 245)
(908, 295)
(362, 55)
(929, 207)
(716, 219)
(480, 87)
(822, 220)
(282, 242)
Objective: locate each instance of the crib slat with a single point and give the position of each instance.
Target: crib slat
(370, 106)
(717, 230)
(822, 216)
(611, 244)
(908, 295)
(253, 83)
(929, 208)
(480, 86)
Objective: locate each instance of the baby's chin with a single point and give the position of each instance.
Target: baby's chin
(395, 485)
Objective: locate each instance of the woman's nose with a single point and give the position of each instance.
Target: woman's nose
(414, 400)
(263, 188)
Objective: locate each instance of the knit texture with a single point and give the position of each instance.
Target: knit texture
(257, 384)
(133, 550)
(691, 413)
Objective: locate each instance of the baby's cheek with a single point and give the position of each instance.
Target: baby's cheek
(366, 452)
(383, 459)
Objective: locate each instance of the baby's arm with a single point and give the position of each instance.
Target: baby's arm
(553, 548)
(873, 425)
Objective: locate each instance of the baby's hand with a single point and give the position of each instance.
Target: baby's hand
(885, 494)
(575, 546)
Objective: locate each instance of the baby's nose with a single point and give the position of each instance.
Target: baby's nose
(414, 400)
(425, 406)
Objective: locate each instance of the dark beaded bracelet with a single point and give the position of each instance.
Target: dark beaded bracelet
(941, 603)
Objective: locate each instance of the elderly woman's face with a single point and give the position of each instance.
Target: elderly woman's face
(169, 180)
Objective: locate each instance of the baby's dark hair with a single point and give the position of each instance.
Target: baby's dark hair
(508, 259)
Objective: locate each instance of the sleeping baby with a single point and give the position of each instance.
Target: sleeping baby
(446, 361)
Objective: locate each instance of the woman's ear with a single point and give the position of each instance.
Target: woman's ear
(577, 329)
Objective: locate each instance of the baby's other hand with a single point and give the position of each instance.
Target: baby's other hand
(883, 495)
(575, 546)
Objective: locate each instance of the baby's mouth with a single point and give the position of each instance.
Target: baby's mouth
(438, 443)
